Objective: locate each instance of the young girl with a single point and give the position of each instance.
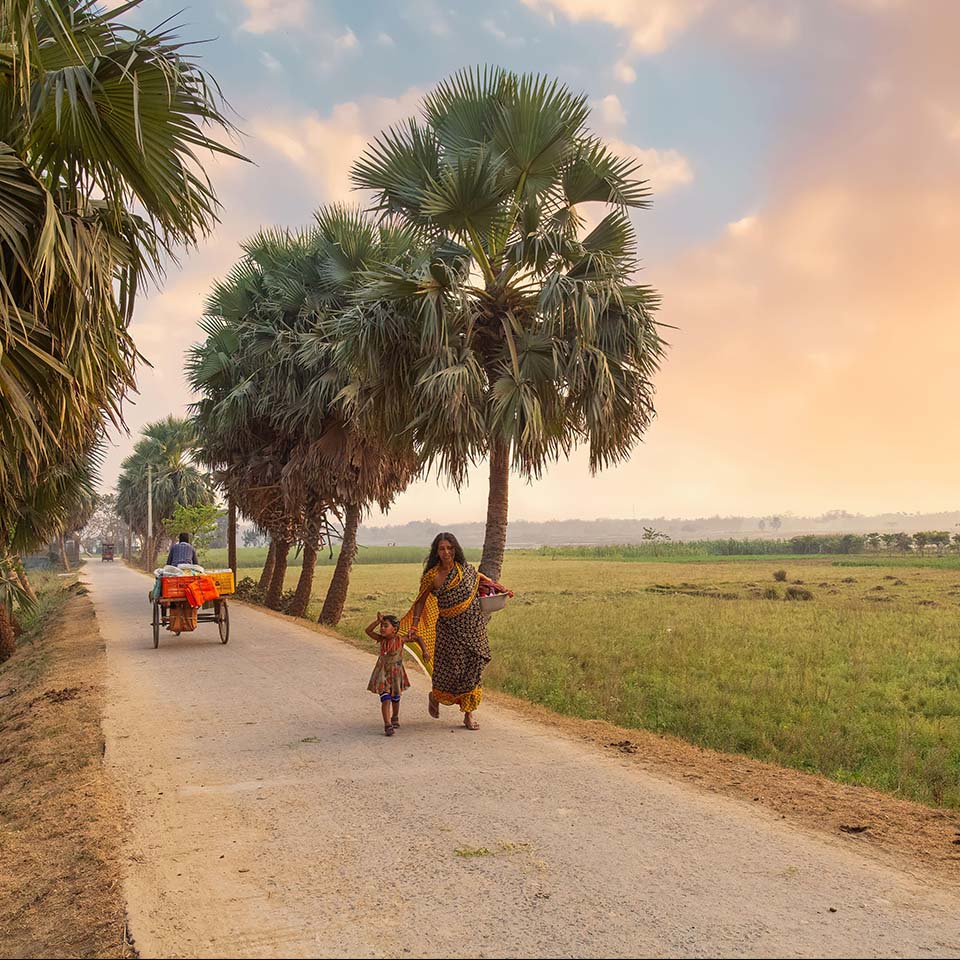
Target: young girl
(389, 677)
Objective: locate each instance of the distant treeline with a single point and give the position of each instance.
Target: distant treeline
(613, 532)
(807, 544)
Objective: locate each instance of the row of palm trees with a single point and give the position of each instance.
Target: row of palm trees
(100, 126)
(468, 314)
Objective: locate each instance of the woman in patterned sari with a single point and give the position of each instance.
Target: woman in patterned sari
(446, 616)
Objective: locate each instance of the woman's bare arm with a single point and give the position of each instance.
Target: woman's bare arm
(412, 638)
(417, 611)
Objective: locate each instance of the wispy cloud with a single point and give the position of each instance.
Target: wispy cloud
(765, 23)
(347, 40)
(742, 227)
(650, 25)
(321, 147)
(665, 169)
(270, 62)
(624, 72)
(610, 110)
(265, 16)
(830, 299)
(495, 30)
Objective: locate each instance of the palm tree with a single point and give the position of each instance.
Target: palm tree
(101, 127)
(234, 415)
(167, 448)
(238, 441)
(354, 459)
(513, 336)
(270, 377)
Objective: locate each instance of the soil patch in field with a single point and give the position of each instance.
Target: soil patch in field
(61, 821)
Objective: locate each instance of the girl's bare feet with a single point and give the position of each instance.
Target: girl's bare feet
(469, 722)
(433, 707)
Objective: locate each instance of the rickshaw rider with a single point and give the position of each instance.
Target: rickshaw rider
(182, 552)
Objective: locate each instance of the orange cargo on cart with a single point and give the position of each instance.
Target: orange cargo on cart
(172, 588)
(199, 590)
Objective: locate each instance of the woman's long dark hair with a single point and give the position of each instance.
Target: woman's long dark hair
(434, 557)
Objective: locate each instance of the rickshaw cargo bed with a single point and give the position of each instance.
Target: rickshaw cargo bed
(175, 588)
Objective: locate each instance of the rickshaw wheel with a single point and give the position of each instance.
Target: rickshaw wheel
(223, 620)
(156, 624)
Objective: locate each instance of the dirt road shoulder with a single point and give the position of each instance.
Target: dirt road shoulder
(61, 822)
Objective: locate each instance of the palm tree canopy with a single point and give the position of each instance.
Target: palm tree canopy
(514, 325)
(168, 449)
(276, 408)
(102, 127)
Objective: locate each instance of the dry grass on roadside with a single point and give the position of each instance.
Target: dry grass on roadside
(60, 819)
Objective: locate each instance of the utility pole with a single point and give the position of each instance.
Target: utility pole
(149, 554)
(232, 534)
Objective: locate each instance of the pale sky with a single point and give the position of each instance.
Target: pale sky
(805, 162)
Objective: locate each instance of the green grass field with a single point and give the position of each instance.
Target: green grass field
(861, 683)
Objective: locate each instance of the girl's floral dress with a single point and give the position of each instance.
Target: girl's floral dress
(389, 675)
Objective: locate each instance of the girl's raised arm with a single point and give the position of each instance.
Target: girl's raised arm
(371, 633)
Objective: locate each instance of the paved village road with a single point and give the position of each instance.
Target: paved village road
(271, 818)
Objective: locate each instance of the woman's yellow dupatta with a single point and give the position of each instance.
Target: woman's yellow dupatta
(427, 628)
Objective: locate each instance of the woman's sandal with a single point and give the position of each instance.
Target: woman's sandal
(470, 723)
(395, 723)
(388, 729)
(433, 706)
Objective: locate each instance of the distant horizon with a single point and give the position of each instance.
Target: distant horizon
(783, 514)
(620, 530)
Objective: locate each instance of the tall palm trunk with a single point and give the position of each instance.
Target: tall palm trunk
(8, 643)
(337, 591)
(267, 573)
(495, 534)
(63, 553)
(301, 598)
(232, 536)
(272, 599)
(24, 580)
